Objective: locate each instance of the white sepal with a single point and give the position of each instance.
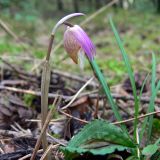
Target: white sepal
(81, 59)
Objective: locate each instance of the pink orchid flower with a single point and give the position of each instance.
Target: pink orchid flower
(77, 42)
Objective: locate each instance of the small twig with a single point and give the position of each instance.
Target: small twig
(46, 152)
(14, 128)
(70, 116)
(23, 58)
(14, 133)
(7, 30)
(90, 94)
(51, 146)
(29, 155)
(52, 121)
(1, 151)
(132, 119)
(19, 127)
(76, 95)
(118, 122)
(9, 65)
(36, 93)
(12, 34)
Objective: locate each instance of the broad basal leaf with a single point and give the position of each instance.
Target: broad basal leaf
(99, 138)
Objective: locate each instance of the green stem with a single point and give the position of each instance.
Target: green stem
(107, 91)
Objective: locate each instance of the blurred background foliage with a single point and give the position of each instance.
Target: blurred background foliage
(29, 9)
(32, 20)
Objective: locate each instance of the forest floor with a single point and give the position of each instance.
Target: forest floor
(21, 58)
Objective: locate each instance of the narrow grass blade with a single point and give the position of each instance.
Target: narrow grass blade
(107, 91)
(153, 72)
(130, 73)
(154, 90)
(151, 105)
(142, 87)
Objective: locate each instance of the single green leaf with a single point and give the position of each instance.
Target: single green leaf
(150, 109)
(72, 152)
(130, 73)
(152, 148)
(106, 89)
(142, 87)
(153, 89)
(98, 131)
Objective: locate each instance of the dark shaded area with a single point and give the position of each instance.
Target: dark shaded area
(119, 155)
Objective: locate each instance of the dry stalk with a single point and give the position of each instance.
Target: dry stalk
(49, 116)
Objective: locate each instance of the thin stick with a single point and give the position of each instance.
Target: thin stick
(118, 122)
(29, 155)
(76, 95)
(51, 146)
(11, 33)
(43, 130)
(14, 133)
(70, 116)
(90, 94)
(36, 93)
(7, 30)
(139, 117)
(52, 121)
(46, 152)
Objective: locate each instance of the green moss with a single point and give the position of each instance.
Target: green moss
(39, 54)
(156, 126)
(6, 47)
(28, 99)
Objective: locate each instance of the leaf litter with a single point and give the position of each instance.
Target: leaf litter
(20, 110)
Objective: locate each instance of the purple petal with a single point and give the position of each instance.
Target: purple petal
(84, 41)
